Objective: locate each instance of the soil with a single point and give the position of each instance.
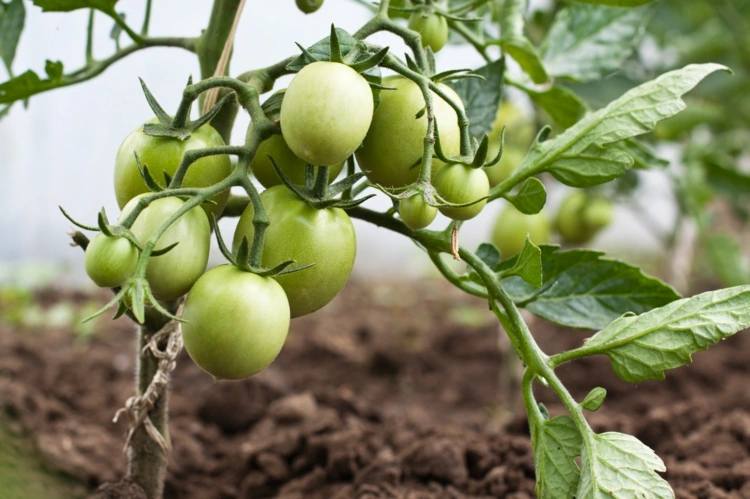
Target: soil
(393, 391)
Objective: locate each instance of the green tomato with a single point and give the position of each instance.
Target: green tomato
(291, 165)
(237, 322)
(395, 141)
(172, 274)
(161, 155)
(580, 218)
(512, 157)
(459, 184)
(599, 213)
(432, 28)
(326, 112)
(300, 232)
(110, 261)
(309, 6)
(415, 212)
(519, 129)
(511, 228)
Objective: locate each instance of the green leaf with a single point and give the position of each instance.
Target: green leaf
(489, 254)
(588, 42)
(530, 198)
(621, 467)
(644, 156)
(12, 17)
(635, 113)
(107, 6)
(583, 289)
(556, 443)
(643, 347)
(594, 399)
(116, 31)
(727, 259)
(481, 97)
(528, 265)
(23, 86)
(526, 55)
(562, 104)
(614, 3)
(54, 70)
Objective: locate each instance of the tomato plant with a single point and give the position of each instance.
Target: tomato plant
(427, 138)
(309, 6)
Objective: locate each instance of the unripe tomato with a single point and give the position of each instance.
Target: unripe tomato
(519, 129)
(459, 184)
(164, 155)
(237, 322)
(326, 112)
(395, 141)
(512, 226)
(432, 28)
(415, 212)
(580, 218)
(512, 157)
(309, 6)
(291, 165)
(110, 261)
(599, 213)
(173, 274)
(300, 232)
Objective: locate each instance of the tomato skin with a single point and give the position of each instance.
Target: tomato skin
(512, 226)
(237, 322)
(291, 165)
(309, 6)
(173, 274)
(432, 28)
(395, 141)
(164, 155)
(300, 232)
(110, 261)
(519, 129)
(599, 213)
(459, 184)
(512, 157)
(326, 112)
(415, 212)
(580, 218)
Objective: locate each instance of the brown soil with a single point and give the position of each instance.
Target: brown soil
(372, 398)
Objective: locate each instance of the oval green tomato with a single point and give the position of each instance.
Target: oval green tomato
(288, 162)
(164, 155)
(416, 212)
(395, 141)
(309, 6)
(432, 28)
(110, 261)
(461, 184)
(300, 232)
(172, 274)
(570, 222)
(237, 322)
(519, 129)
(511, 228)
(598, 213)
(512, 157)
(326, 112)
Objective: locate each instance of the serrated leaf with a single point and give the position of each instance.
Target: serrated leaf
(557, 442)
(594, 399)
(621, 467)
(588, 42)
(644, 157)
(635, 113)
(12, 18)
(727, 259)
(615, 3)
(528, 265)
(70, 5)
(489, 254)
(591, 167)
(54, 70)
(481, 97)
(583, 289)
(562, 104)
(530, 198)
(645, 346)
(23, 86)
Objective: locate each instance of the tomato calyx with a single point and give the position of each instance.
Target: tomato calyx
(480, 156)
(179, 127)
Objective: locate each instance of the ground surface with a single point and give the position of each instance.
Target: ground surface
(372, 398)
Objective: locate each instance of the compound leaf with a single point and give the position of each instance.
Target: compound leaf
(481, 97)
(557, 442)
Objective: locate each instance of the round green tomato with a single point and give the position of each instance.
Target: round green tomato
(432, 28)
(110, 261)
(416, 212)
(461, 184)
(519, 129)
(580, 217)
(300, 232)
(512, 157)
(172, 274)
(598, 213)
(309, 6)
(511, 228)
(326, 112)
(163, 155)
(395, 141)
(291, 165)
(237, 322)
